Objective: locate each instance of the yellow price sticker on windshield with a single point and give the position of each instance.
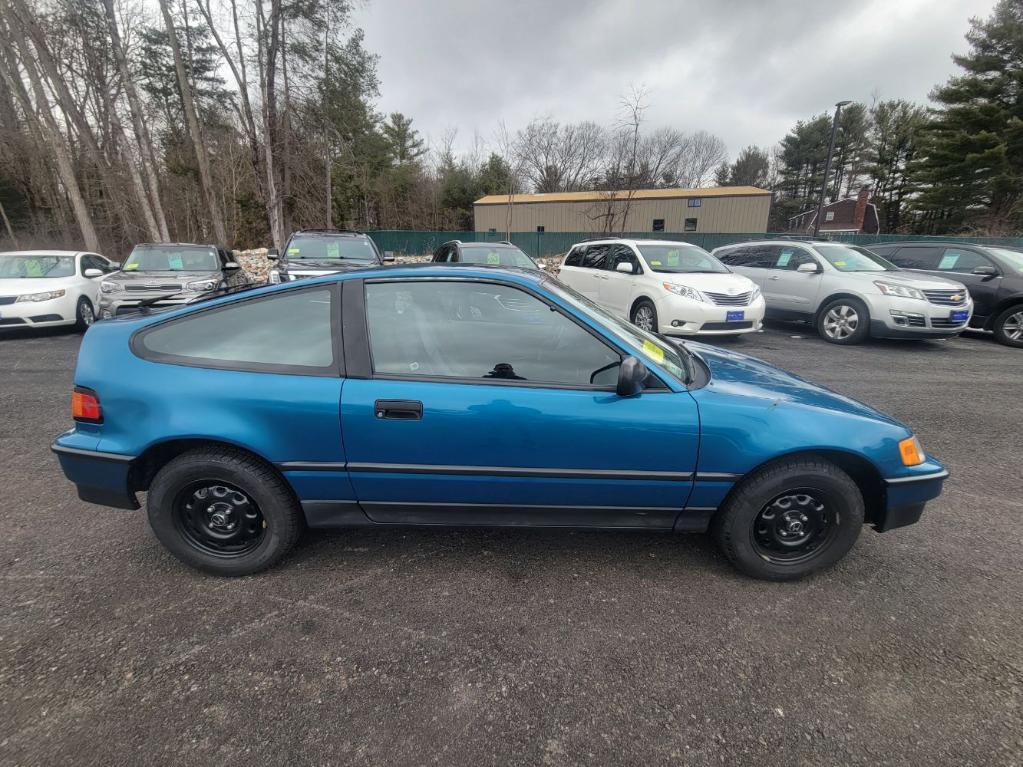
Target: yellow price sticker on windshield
(293, 251)
(655, 263)
(840, 264)
(655, 352)
(130, 267)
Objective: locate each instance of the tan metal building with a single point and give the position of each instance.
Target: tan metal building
(713, 210)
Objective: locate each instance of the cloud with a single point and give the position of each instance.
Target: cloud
(743, 70)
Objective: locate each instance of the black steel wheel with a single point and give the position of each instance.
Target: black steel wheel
(790, 518)
(218, 518)
(223, 511)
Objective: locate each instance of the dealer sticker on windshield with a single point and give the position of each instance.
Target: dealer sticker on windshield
(735, 316)
(655, 352)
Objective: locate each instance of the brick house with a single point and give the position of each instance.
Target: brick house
(853, 215)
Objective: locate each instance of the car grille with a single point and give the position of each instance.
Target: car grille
(916, 321)
(945, 297)
(151, 287)
(723, 299)
(5, 300)
(726, 326)
(938, 322)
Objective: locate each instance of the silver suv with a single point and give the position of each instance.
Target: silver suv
(849, 293)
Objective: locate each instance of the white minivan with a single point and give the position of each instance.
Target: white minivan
(663, 286)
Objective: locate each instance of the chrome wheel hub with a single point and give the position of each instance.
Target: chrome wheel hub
(1013, 326)
(841, 322)
(644, 318)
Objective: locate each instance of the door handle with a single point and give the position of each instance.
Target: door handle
(398, 409)
(774, 277)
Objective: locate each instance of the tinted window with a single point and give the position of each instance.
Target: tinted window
(623, 254)
(762, 257)
(964, 261)
(916, 257)
(172, 258)
(287, 330)
(575, 258)
(735, 256)
(441, 255)
(331, 247)
(32, 267)
(482, 331)
(595, 256)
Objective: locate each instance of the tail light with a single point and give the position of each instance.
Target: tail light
(85, 406)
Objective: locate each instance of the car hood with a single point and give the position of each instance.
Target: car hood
(20, 286)
(745, 376)
(162, 276)
(716, 283)
(328, 265)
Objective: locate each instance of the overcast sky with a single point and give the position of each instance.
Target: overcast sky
(745, 70)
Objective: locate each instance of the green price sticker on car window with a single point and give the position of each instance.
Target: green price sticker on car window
(949, 261)
(176, 262)
(655, 263)
(333, 250)
(673, 257)
(293, 251)
(33, 268)
(494, 259)
(784, 258)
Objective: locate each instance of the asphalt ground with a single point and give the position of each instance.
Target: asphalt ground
(476, 647)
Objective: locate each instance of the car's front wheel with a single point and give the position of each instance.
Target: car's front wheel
(844, 321)
(644, 316)
(790, 519)
(85, 315)
(223, 511)
(1008, 326)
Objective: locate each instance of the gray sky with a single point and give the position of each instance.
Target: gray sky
(745, 70)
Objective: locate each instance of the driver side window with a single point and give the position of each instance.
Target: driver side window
(480, 331)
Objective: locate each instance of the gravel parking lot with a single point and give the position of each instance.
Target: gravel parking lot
(522, 647)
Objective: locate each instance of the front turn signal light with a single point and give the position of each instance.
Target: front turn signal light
(85, 406)
(911, 451)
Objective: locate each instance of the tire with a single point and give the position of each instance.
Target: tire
(754, 527)
(85, 315)
(644, 314)
(844, 321)
(189, 492)
(1008, 327)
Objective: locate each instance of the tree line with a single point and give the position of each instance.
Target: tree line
(237, 121)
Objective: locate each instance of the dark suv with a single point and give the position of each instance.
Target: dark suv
(992, 274)
(315, 252)
(484, 254)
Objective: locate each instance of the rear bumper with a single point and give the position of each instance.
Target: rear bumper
(905, 498)
(101, 478)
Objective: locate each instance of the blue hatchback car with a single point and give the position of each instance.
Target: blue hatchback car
(468, 395)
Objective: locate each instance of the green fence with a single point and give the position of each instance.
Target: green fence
(414, 243)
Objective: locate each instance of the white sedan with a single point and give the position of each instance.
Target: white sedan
(41, 288)
(667, 287)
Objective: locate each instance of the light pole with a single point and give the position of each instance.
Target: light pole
(827, 168)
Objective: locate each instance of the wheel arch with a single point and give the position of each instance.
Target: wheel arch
(159, 454)
(639, 299)
(1005, 303)
(859, 468)
(840, 294)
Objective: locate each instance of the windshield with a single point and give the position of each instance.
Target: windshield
(646, 345)
(486, 254)
(1014, 257)
(681, 259)
(172, 258)
(850, 258)
(327, 247)
(34, 267)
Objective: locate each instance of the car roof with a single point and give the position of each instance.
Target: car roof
(177, 244)
(45, 252)
(330, 232)
(943, 243)
(626, 241)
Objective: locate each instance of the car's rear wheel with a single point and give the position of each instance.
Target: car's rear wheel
(223, 511)
(844, 321)
(1008, 327)
(644, 316)
(790, 519)
(85, 315)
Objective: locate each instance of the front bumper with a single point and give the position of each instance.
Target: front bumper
(905, 498)
(119, 304)
(101, 478)
(39, 314)
(679, 316)
(892, 317)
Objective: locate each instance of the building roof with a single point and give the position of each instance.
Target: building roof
(638, 194)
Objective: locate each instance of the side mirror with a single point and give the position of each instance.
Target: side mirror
(809, 268)
(986, 271)
(388, 256)
(272, 254)
(631, 376)
(92, 273)
(232, 266)
(624, 267)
